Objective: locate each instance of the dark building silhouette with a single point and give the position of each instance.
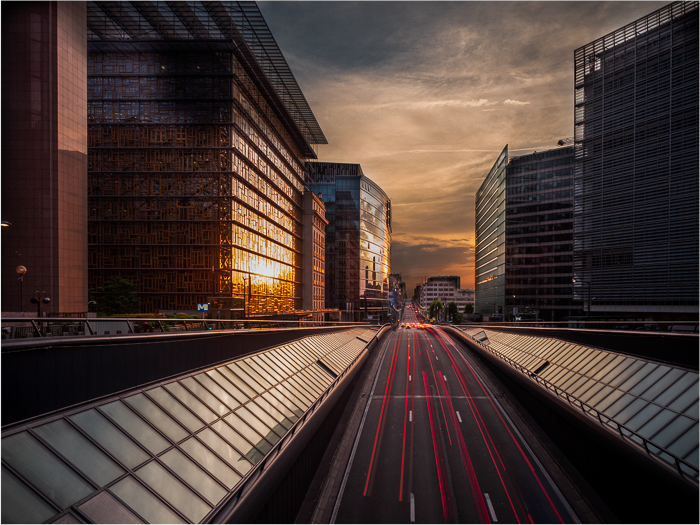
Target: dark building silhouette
(636, 169)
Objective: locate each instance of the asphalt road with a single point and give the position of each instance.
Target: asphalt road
(435, 446)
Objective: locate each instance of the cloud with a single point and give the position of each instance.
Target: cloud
(510, 102)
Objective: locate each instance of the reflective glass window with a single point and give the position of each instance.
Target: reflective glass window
(674, 429)
(301, 360)
(240, 459)
(101, 430)
(264, 427)
(668, 395)
(278, 405)
(637, 376)
(302, 380)
(283, 393)
(609, 400)
(592, 391)
(157, 417)
(609, 366)
(20, 504)
(192, 402)
(316, 377)
(560, 379)
(193, 475)
(143, 502)
(135, 426)
(582, 358)
(226, 384)
(252, 373)
(173, 491)
(685, 399)
(692, 410)
(643, 416)
(243, 381)
(104, 508)
(44, 470)
(304, 393)
(248, 432)
(685, 443)
(624, 408)
(211, 463)
(262, 372)
(175, 408)
(286, 366)
(627, 373)
(271, 368)
(219, 392)
(652, 378)
(593, 361)
(77, 449)
(601, 395)
(593, 371)
(656, 423)
(203, 394)
(576, 384)
(662, 384)
(617, 370)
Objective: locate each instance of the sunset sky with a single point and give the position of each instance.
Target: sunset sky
(425, 95)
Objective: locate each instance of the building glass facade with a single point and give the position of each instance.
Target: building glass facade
(358, 238)
(314, 287)
(539, 234)
(636, 168)
(491, 240)
(44, 155)
(198, 134)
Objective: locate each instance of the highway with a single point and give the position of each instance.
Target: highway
(436, 446)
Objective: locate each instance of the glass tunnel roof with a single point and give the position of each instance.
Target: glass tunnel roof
(657, 401)
(168, 452)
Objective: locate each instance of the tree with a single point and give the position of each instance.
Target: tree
(452, 310)
(435, 308)
(469, 308)
(118, 296)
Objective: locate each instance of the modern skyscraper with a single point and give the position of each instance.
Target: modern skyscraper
(491, 240)
(539, 234)
(44, 155)
(198, 133)
(636, 168)
(358, 238)
(314, 263)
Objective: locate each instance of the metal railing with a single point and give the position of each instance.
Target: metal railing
(690, 327)
(25, 327)
(626, 433)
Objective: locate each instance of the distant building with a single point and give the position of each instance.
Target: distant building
(440, 288)
(198, 134)
(314, 254)
(464, 297)
(539, 235)
(490, 228)
(44, 155)
(636, 168)
(358, 239)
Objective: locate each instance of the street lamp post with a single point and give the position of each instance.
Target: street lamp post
(589, 293)
(36, 300)
(21, 270)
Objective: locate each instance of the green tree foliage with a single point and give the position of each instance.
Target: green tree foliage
(118, 296)
(434, 309)
(452, 310)
(469, 308)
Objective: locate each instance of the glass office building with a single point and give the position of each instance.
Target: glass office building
(489, 298)
(198, 134)
(636, 167)
(539, 235)
(358, 239)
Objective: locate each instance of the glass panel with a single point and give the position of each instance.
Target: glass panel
(80, 451)
(192, 402)
(255, 367)
(562, 378)
(672, 431)
(287, 366)
(588, 394)
(569, 356)
(551, 371)
(20, 504)
(176, 409)
(242, 381)
(242, 365)
(143, 502)
(583, 356)
(674, 390)
(106, 434)
(228, 386)
(192, 474)
(317, 377)
(649, 380)
(602, 394)
(232, 456)
(619, 368)
(685, 399)
(576, 384)
(157, 417)
(582, 389)
(656, 423)
(261, 427)
(247, 432)
(596, 358)
(272, 411)
(624, 376)
(104, 508)
(130, 422)
(643, 416)
(624, 408)
(300, 360)
(662, 384)
(177, 494)
(44, 470)
(686, 443)
(270, 368)
(273, 401)
(291, 395)
(692, 458)
(301, 389)
(692, 410)
(591, 372)
(209, 461)
(217, 390)
(638, 376)
(605, 403)
(202, 393)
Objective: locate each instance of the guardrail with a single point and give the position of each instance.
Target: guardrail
(690, 327)
(626, 433)
(24, 327)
